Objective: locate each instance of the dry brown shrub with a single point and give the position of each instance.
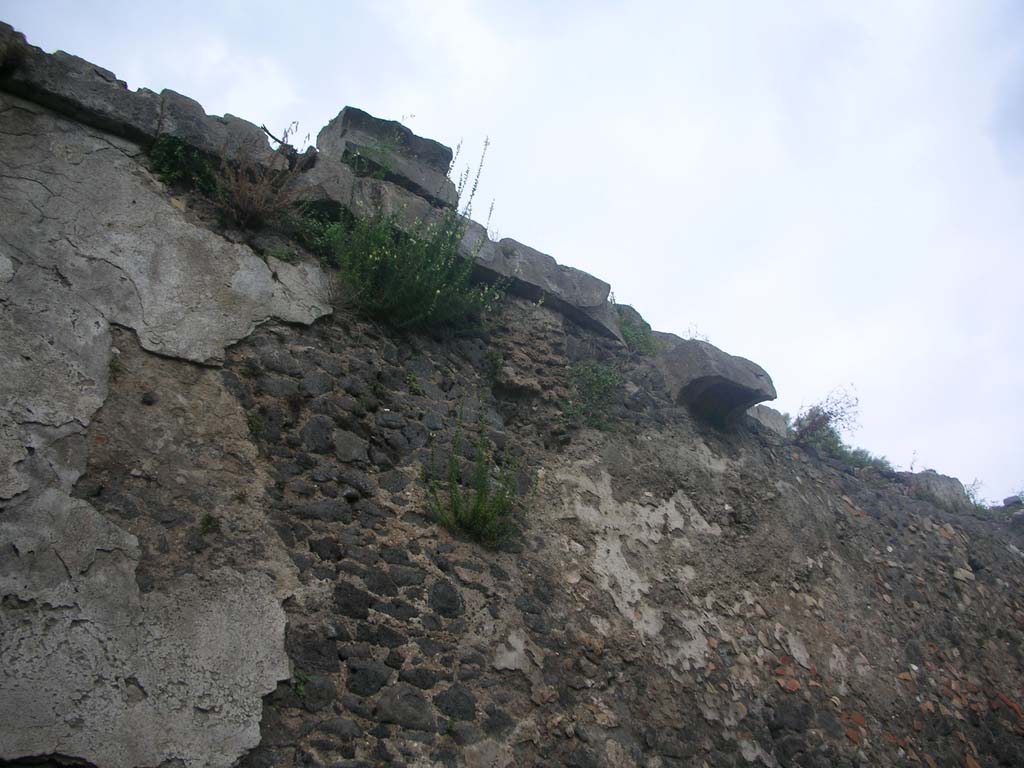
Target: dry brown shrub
(252, 193)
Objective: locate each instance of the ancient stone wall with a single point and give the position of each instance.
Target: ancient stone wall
(217, 545)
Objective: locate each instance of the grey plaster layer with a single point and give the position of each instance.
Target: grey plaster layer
(78, 205)
(56, 348)
(88, 239)
(93, 668)
(713, 384)
(389, 149)
(12, 452)
(6, 268)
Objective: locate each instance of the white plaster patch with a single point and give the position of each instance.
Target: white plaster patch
(617, 577)
(688, 654)
(601, 625)
(839, 667)
(629, 540)
(861, 665)
(648, 621)
(753, 752)
(626, 537)
(697, 520)
(798, 650)
(511, 655)
(716, 465)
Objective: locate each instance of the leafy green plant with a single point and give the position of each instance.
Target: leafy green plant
(377, 387)
(414, 278)
(594, 387)
(299, 685)
(256, 426)
(493, 361)
(209, 524)
(364, 404)
(694, 333)
(413, 382)
(282, 253)
(636, 332)
(484, 510)
(178, 164)
(860, 457)
(318, 232)
(789, 423)
(248, 192)
(819, 425)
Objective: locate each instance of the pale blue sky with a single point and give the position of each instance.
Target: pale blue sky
(833, 189)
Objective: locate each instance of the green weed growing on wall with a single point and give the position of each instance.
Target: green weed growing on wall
(595, 387)
(414, 278)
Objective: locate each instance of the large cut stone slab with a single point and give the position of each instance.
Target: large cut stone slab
(770, 419)
(714, 384)
(535, 275)
(81, 89)
(388, 149)
(185, 119)
(94, 96)
(942, 490)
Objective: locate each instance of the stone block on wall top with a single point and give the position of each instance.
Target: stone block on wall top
(941, 490)
(77, 87)
(770, 419)
(389, 150)
(713, 384)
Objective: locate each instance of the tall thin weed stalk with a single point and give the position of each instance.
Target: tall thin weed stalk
(417, 277)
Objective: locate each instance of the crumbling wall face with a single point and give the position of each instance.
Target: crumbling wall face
(217, 546)
(679, 595)
(94, 666)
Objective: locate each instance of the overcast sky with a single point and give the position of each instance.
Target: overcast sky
(833, 190)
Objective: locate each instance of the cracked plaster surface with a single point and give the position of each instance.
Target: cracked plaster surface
(94, 668)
